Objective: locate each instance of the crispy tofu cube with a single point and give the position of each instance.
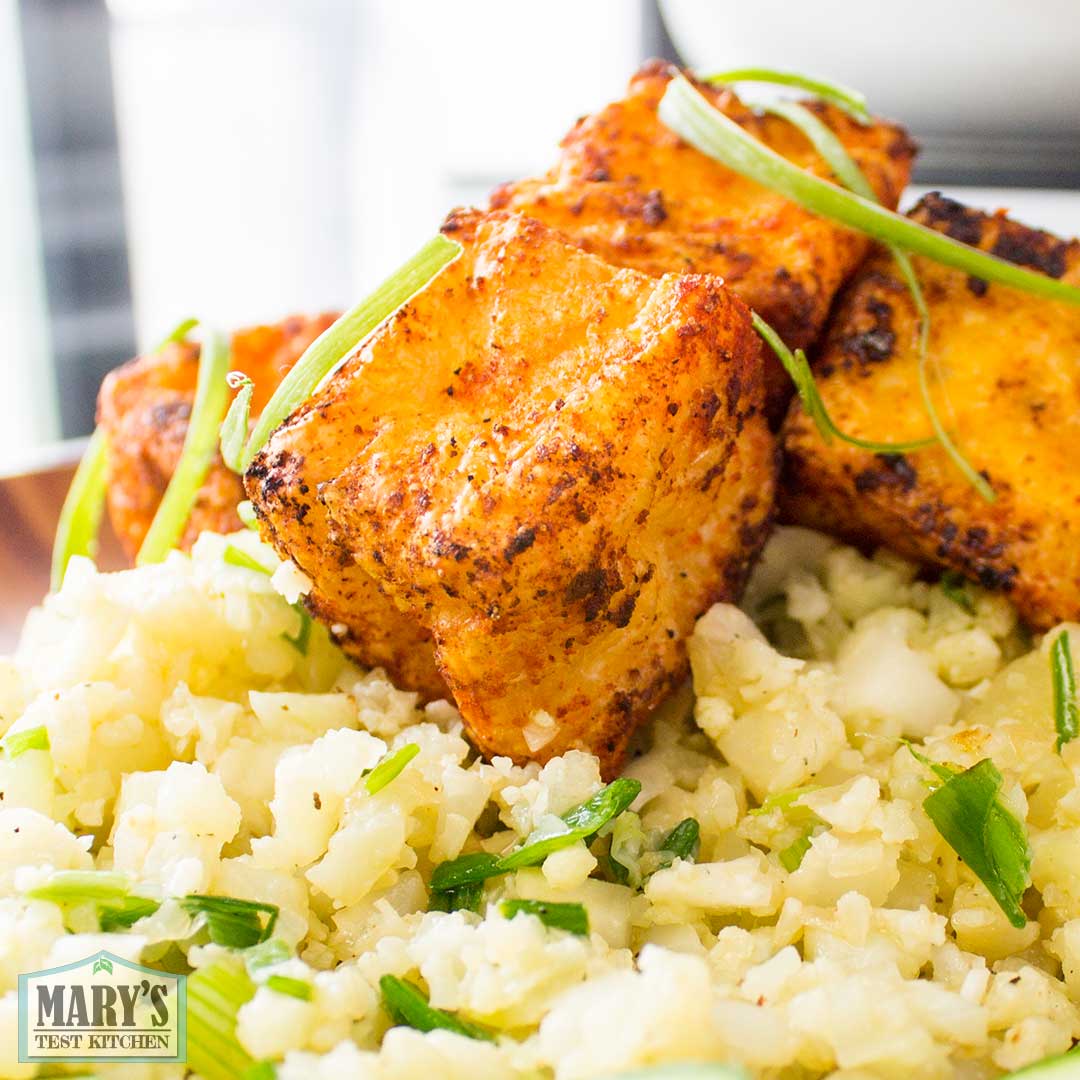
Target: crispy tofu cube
(550, 465)
(628, 189)
(1009, 393)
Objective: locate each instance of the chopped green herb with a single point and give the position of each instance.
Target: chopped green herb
(334, 343)
(82, 886)
(200, 445)
(469, 869)
(390, 768)
(792, 856)
(285, 984)
(234, 556)
(851, 176)
(245, 511)
(691, 116)
(178, 333)
(954, 586)
(266, 954)
(1060, 1067)
(80, 516)
(15, 743)
(681, 843)
(784, 800)
(627, 847)
(465, 897)
(940, 770)
(851, 101)
(1066, 706)
(214, 996)
(798, 369)
(114, 915)
(967, 812)
(580, 823)
(570, 917)
(234, 428)
(108, 890)
(238, 924)
(408, 1006)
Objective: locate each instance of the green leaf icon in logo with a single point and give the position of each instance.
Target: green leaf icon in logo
(102, 964)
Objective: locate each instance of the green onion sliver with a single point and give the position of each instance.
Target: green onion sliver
(234, 428)
(82, 886)
(693, 118)
(798, 369)
(682, 842)
(286, 984)
(975, 478)
(851, 101)
(334, 343)
(792, 856)
(1063, 677)
(954, 586)
(178, 333)
(570, 917)
(214, 996)
(236, 924)
(408, 1005)
(200, 445)
(851, 176)
(15, 743)
(1060, 1067)
(390, 768)
(80, 516)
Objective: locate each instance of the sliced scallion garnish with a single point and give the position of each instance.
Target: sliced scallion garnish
(458, 882)
(200, 445)
(237, 924)
(80, 516)
(408, 1005)
(847, 171)
(581, 823)
(178, 333)
(798, 369)
(681, 843)
(390, 768)
(15, 743)
(1066, 706)
(691, 116)
(792, 856)
(215, 994)
(333, 344)
(968, 813)
(234, 556)
(286, 984)
(234, 428)
(954, 586)
(851, 101)
(572, 918)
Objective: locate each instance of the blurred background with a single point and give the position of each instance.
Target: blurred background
(238, 160)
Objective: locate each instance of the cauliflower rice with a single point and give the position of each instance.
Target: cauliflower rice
(828, 931)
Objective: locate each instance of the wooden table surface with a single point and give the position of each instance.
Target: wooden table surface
(29, 507)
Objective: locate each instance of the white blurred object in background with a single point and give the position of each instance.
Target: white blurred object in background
(989, 87)
(233, 121)
(28, 416)
(285, 156)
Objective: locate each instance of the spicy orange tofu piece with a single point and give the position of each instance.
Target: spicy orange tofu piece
(144, 407)
(630, 190)
(551, 465)
(1009, 393)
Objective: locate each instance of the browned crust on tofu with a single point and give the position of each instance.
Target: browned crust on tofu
(1012, 375)
(551, 465)
(628, 189)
